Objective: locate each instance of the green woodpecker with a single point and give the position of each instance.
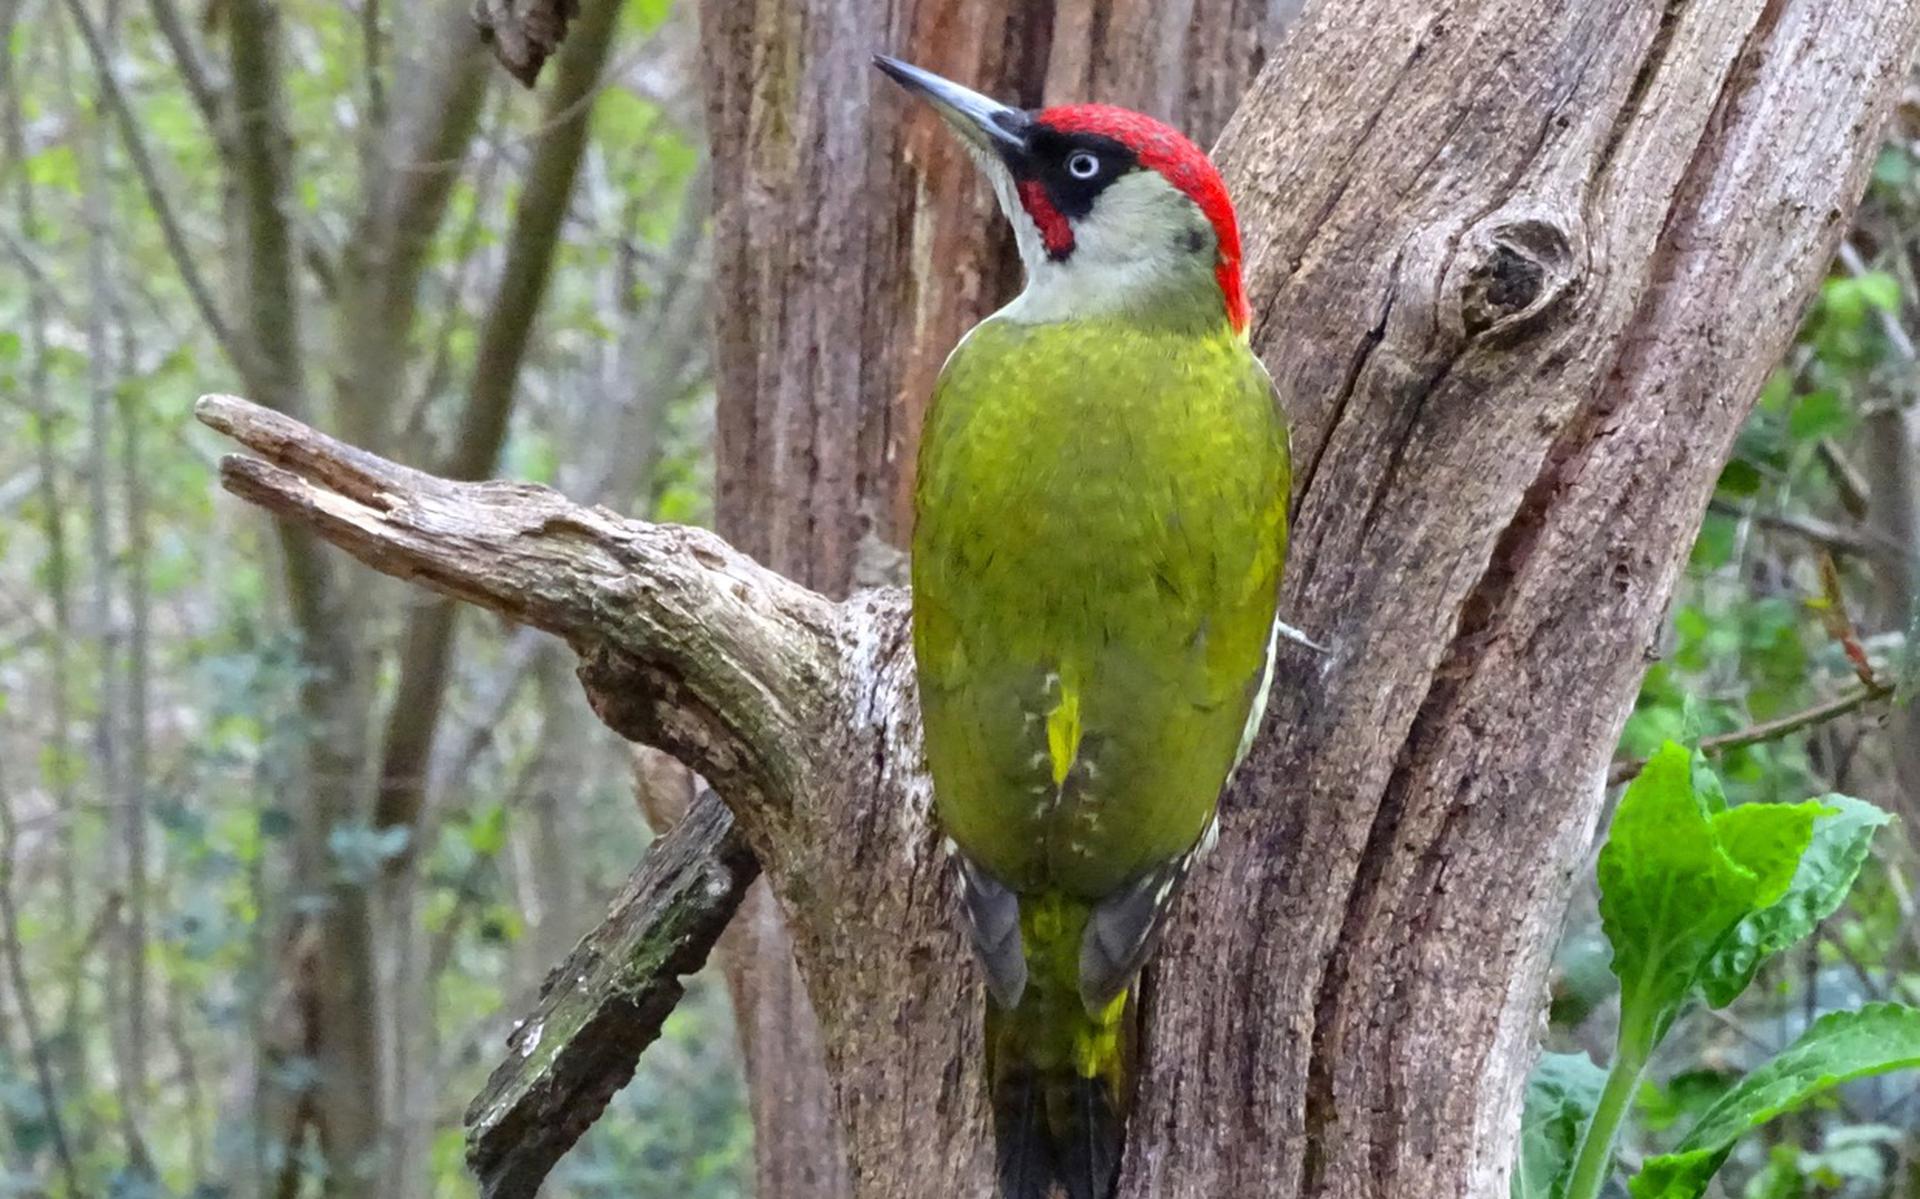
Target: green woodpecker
(1101, 520)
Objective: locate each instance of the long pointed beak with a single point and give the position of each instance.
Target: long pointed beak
(986, 124)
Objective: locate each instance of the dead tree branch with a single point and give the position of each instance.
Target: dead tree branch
(605, 1004)
(688, 643)
(524, 33)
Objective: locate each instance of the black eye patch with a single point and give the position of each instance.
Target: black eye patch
(1074, 167)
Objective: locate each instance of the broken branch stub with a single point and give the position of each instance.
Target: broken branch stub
(601, 1008)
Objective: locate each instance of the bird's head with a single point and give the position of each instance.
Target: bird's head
(1114, 212)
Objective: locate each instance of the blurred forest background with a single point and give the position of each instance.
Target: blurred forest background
(485, 280)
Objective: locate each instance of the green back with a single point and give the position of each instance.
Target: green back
(1101, 524)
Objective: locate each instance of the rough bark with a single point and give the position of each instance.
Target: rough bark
(1519, 286)
(570, 1055)
(1560, 272)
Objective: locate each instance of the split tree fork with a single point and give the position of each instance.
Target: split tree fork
(1519, 269)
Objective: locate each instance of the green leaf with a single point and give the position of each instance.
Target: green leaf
(1841, 838)
(1839, 1047)
(1819, 414)
(55, 167)
(1678, 873)
(1880, 289)
(1561, 1095)
(1777, 391)
(488, 836)
(1893, 168)
(1843, 304)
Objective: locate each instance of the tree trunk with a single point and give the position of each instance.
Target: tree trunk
(1516, 357)
(1892, 442)
(1519, 269)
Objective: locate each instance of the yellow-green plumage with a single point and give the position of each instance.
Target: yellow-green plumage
(1101, 523)
(1101, 526)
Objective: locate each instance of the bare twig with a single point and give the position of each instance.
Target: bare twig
(1768, 730)
(24, 1003)
(1859, 543)
(171, 231)
(1848, 481)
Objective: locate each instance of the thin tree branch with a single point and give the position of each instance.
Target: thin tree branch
(171, 232)
(25, 1004)
(407, 188)
(262, 175)
(428, 642)
(45, 288)
(372, 44)
(199, 83)
(1860, 543)
(1847, 479)
(455, 300)
(1767, 730)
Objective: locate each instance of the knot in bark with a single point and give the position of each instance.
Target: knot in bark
(1519, 268)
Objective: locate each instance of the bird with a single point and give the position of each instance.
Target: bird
(1100, 525)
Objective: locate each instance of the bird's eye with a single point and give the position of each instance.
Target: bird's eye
(1082, 165)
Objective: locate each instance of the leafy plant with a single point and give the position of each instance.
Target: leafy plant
(1695, 896)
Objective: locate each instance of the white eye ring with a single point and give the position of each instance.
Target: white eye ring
(1082, 165)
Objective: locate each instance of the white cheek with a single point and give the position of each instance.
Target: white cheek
(1133, 225)
(1128, 250)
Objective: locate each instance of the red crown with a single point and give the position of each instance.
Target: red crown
(1164, 149)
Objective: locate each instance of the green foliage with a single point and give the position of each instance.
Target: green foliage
(1831, 861)
(227, 794)
(1851, 1162)
(1679, 872)
(1561, 1095)
(1759, 630)
(1839, 1047)
(1695, 896)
